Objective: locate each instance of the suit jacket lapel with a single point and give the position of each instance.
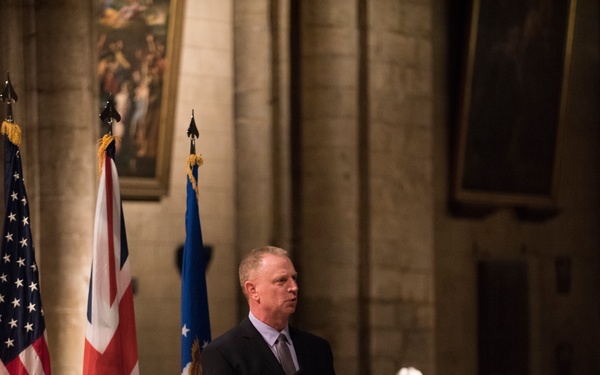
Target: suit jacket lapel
(256, 343)
(302, 350)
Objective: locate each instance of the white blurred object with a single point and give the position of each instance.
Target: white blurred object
(409, 371)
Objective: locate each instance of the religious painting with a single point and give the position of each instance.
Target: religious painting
(513, 102)
(138, 52)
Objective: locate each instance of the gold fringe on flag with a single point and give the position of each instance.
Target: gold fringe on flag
(12, 131)
(196, 368)
(104, 142)
(192, 160)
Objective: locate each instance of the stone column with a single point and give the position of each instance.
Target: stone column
(401, 208)
(327, 232)
(262, 124)
(366, 227)
(280, 30)
(253, 126)
(253, 121)
(68, 131)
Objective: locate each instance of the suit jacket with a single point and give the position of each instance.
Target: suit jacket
(243, 351)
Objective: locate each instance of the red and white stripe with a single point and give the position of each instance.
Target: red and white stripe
(34, 360)
(110, 344)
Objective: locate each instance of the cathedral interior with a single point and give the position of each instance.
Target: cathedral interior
(433, 168)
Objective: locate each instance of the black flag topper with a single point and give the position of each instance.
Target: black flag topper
(8, 95)
(110, 113)
(193, 134)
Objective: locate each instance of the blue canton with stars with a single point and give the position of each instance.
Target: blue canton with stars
(21, 316)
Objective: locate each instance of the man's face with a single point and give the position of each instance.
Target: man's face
(275, 287)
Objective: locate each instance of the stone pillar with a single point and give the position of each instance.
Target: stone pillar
(280, 29)
(401, 208)
(253, 126)
(366, 228)
(262, 124)
(68, 131)
(327, 241)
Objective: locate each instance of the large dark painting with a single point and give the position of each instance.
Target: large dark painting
(514, 102)
(138, 49)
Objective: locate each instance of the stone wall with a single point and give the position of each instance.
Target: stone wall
(555, 318)
(400, 133)
(367, 188)
(327, 249)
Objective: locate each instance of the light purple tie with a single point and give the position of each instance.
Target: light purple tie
(284, 355)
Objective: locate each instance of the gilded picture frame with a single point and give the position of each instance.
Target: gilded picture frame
(513, 103)
(138, 58)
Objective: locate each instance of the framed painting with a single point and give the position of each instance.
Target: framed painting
(513, 103)
(138, 56)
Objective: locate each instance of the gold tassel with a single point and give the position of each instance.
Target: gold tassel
(196, 367)
(104, 142)
(13, 131)
(192, 160)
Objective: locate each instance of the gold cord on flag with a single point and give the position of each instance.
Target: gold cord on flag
(104, 142)
(192, 160)
(196, 368)
(12, 131)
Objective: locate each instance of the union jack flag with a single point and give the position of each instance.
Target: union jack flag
(110, 338)
(23, 348)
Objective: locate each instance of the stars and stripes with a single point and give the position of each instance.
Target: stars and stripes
(110, 339)
(23, 347)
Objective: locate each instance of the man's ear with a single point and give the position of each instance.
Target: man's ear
(251, 290)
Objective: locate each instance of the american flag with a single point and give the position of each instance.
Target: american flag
(110, 338)
(23, 348)
(195, 326)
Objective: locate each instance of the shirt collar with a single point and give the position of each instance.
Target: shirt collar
(268, 333)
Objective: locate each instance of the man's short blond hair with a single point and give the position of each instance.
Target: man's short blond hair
(252, 262)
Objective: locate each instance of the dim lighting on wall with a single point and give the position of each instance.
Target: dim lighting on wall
(563, 274)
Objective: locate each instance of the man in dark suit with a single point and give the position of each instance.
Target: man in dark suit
(264, 343)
